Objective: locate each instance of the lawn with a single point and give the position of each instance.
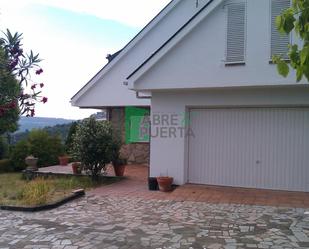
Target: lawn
(14, 190)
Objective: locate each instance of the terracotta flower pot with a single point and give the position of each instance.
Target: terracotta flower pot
(76, 168)
(165, 183)
(119, 169)
(63, 160)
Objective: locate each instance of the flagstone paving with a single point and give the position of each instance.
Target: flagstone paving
(130, 222)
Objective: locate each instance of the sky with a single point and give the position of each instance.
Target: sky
(73, 38)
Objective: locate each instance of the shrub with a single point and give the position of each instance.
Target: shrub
(70, 137)
(93, 145)
(36, 192)
(3, 148)
(6, 166)
(18, 154)
(45, 147)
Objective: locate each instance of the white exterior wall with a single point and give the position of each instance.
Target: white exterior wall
(108, 88)
(169, 154)
(197, 61)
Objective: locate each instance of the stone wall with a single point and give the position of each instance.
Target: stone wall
(136, 153)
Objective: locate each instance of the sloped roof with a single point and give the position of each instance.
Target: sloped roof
(170, 39)
(119, 54)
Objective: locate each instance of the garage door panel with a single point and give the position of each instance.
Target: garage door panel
(259, 148)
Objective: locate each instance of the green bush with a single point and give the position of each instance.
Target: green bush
(39, 144)
(18, 154)
(3, 148)
(93, 145)
(70, 137)
(45, 147)
(6, 166)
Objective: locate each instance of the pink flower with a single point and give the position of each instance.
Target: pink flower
(39, 71)
(44, 100)
(12, 105)
(42, 85)
(33, 86)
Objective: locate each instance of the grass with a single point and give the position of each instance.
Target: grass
(14, 190)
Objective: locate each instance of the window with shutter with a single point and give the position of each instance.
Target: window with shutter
(279, 41)
(236, 32)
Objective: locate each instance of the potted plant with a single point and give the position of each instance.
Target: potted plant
(119, 165)
(92, 146)
(63, 160)
(76, 168)
(31, 162)
(165, 183)
(118, 161)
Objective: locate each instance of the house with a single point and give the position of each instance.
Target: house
(220, 113)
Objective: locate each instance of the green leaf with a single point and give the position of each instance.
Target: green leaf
(304, 53)
(283, 68)
(299, 74)
(279, 23)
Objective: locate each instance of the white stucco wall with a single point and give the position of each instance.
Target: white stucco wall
(169, 154)
(197, 61)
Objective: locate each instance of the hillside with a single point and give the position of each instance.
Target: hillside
(60, 130)
(29, 123)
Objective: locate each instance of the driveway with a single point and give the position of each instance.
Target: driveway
(126, 222)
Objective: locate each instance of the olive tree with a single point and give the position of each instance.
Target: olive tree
(93, 145)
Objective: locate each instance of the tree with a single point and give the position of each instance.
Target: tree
(9, 89)
(70, 137)
(295, 19)
(19, 94)
(93, 145)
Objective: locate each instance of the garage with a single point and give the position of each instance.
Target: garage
(264, 148)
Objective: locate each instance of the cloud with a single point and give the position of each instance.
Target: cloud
(135, 13)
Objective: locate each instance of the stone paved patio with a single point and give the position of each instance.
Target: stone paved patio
(116, 222)
(126, 215)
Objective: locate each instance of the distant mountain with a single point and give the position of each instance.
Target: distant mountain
(29, 123)
(61, 130)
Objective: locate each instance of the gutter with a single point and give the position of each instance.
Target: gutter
(142, 97)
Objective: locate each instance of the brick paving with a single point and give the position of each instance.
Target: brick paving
(136, 186)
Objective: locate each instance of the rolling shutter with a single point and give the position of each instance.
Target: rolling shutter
(236, 29)
(250, 147)
(279, 41)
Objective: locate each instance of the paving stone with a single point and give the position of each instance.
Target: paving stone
(128, 223)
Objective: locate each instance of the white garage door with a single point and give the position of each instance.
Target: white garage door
(250, 147)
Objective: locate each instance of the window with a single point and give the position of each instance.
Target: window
(236, 31)
(279, 42)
